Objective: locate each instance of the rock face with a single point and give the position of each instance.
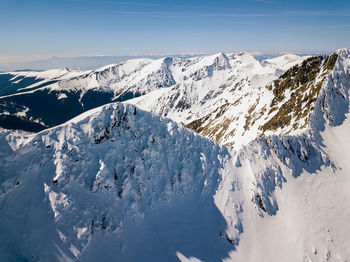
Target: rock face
(120, 183)
(282, 107)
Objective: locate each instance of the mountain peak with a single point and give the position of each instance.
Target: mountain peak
(83, 189)
(343, 51)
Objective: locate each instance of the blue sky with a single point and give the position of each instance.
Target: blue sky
(43, 28)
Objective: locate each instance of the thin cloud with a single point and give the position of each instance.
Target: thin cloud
(319, 13)
(234, 13)
(151, 14)
(199, 15)
(128, 3)
(131, 3)
(265, 1)
(157, 5)
(162, 14)
(238, 15)
(322, 27)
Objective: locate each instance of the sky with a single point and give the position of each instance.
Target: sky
(39, 29)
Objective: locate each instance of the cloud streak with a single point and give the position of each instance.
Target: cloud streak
(132, 3)
(265, 1)
(318, 13)
(161, 10)
(322, 27)
(193, 15)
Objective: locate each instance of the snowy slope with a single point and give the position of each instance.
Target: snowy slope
(233, 105)
(24, 81)
(177, 87)
(312, 207)
(27, 102)
(114, 183)
(311, 222)
(120, 184)
(284, 62)
(282, 107)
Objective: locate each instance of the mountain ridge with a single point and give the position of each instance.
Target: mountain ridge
(118, 82)
(115, 172)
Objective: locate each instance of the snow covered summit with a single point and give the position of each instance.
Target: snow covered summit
(71, 92)
(114, 183)
(117, 183)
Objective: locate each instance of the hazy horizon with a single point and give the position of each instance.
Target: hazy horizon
(93, 62)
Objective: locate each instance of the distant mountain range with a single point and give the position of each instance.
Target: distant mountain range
(93, 62)
(82, 62)
(65, 93)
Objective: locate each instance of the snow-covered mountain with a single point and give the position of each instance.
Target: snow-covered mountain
(247, 106)
(117, 183)
(310, 209)
(190, 81)
(26, 99)
(24, 81)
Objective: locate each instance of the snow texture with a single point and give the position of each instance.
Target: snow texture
(119, 183)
